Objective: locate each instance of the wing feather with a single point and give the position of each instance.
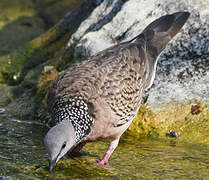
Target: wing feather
(115, 75)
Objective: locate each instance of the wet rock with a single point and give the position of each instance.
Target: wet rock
(23, 68)
(5, 98)
(23, 20)
(2, 110)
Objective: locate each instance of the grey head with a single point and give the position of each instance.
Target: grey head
(58, 141)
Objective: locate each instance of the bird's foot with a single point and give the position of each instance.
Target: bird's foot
(107, 155)
(105, 159)
(102, 162)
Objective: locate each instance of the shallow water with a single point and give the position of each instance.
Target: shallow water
(22, 156)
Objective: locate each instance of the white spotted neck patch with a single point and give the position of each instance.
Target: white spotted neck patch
(76, 110)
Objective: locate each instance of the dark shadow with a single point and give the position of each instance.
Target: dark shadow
(80, 154)
(108, 18)
(69, 51)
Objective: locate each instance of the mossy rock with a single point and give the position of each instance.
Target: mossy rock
(157, 122)
(25, 69)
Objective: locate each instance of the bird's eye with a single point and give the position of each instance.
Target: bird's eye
(64, 144)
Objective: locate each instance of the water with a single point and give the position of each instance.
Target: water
(22, 156)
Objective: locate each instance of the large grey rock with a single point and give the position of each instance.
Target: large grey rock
(183, 68)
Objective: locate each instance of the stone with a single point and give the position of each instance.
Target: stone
(183, 68)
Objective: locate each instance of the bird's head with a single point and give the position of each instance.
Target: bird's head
(58, 141)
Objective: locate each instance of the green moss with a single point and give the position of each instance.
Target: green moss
(47, 47)
(190, 127)
(12, 10)
(144, 123)
(11, 67)
(45, 80)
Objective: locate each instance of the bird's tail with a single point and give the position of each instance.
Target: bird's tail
(157, 34)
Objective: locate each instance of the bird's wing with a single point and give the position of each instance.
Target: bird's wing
(121, 81)
(119, 75)
(79, 72)
(115, 75)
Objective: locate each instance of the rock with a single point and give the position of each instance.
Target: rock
(23, 20)
(4, 95)
(195, 109)
(182, 78)
(47, 47)
(21, 70)
(183, 68)
(172, 134)
(19, 17)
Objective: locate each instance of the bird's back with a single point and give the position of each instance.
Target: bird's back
(108, 87)
(115, 76)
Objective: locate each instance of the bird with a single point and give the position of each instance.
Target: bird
(97, 99)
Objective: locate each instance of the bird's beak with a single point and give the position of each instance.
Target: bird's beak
(52, 164)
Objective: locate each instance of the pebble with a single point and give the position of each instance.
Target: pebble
(2, 110)
(172, 133)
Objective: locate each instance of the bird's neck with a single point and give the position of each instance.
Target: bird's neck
(76, 111)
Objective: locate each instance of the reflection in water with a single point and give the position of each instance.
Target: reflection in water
(22, 155)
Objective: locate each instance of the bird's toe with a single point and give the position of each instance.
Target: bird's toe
(101, 162)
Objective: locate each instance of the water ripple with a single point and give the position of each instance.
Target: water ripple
(2, 110)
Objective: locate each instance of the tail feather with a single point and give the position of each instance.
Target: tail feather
(157, 34)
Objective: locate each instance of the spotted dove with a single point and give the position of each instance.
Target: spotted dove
(98, 98)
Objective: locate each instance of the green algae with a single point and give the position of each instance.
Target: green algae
(144, 123)
(12, 10)
(46, 48)
(18, 24)
(191, 127)
(16, 66)
(44, 82)
(23, 69)
(23, 156)
(158, 121)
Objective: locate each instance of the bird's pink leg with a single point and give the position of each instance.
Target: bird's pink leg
(107, 155)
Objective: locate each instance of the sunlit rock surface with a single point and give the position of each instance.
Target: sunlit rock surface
(183, 68)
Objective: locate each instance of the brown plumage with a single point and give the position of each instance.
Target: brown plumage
(109, 86)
